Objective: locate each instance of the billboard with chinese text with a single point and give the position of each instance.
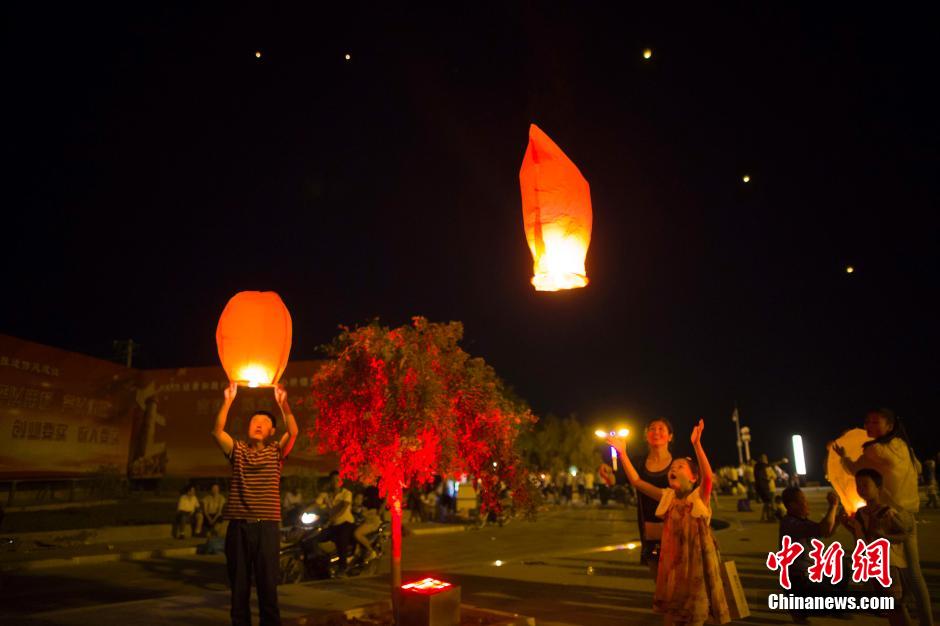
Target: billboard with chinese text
(176, 410)
(62, 414)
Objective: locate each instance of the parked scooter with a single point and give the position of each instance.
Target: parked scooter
(304, 557)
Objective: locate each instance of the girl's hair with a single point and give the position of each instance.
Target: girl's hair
(693, 465)
(896, 429)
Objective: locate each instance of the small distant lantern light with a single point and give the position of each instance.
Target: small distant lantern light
(746, 178)
(257, 54)
(648, 53)
(849, 269)
(348, 56)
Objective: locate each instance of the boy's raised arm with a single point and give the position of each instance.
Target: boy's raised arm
(221, 437)
(288, 438)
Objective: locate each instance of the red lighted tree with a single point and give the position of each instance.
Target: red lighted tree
(402, 405)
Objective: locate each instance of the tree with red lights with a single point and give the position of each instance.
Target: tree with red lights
(402, 405)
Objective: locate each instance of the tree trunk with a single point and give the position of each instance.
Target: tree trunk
(396, 554)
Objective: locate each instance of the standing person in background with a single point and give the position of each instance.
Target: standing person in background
(930, 479)
(747, 473)
(765, 478)
(253, 510)
(588, 486)
(889, 453)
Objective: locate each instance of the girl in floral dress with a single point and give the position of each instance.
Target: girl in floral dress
(688, 585)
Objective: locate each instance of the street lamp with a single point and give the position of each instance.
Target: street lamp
(799, 459)
(603, 434)
(746, 438)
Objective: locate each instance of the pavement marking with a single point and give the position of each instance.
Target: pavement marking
(495, 594)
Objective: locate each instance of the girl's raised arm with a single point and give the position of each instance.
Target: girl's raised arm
(705, 470)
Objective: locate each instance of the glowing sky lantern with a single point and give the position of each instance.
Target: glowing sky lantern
(843, 481)
(254, 337)
(556, 212)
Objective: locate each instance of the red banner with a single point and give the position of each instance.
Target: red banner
(62, 414)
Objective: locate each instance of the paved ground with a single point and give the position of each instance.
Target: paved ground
(570, 567)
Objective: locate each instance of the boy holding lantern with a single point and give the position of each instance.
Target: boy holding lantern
(253, 509)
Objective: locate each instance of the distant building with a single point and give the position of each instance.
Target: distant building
(64, 414)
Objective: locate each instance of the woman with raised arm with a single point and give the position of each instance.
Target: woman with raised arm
(654, 470)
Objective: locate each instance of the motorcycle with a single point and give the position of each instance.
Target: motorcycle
(303, 557)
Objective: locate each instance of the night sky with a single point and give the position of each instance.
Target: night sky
(155, 166)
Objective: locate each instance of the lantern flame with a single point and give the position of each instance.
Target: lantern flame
(556, 213)
(254, 338)
(254, 375)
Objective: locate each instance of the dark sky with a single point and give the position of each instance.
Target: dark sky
(154, 167)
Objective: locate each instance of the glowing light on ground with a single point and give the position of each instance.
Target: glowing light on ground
(426, 585)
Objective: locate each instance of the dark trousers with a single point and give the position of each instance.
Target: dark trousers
(251, 550)
(182, 520)
(341, 535)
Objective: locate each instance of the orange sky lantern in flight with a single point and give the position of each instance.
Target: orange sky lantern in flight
(254, 337)
(556, 212)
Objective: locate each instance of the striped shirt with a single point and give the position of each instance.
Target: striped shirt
(256, 479)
